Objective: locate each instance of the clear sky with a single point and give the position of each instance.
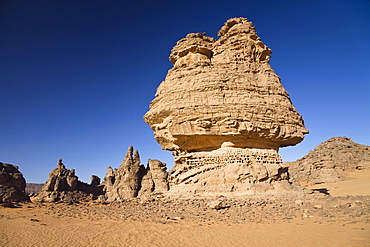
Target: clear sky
(77, 76)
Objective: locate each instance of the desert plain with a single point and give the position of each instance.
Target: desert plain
(341, 218)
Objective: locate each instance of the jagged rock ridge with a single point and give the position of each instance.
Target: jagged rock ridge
(63, 185)
(132, 179)
(222, 94)
(329, 162)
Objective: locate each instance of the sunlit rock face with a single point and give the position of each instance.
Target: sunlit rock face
(224, 91)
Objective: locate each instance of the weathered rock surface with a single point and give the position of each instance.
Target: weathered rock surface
(63, 185)
(223, 112)
(154, 179)
(12, 184)
(221, 91)
(329, 162)
(124, 182)
(61, 179)
(132, 179)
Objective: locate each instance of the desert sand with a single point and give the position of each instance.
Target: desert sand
(317, 219)
(356, 183)
(18, 230)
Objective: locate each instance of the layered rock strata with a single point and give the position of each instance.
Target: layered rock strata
(224, 92)
(329, 162)
(228, 169)
(132, 179)
(12, 184)
(63, 185)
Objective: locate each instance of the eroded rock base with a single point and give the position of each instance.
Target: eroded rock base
(228, 169)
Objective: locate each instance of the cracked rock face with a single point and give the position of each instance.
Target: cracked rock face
(223, 92)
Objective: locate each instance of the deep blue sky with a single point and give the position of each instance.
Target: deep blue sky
(77, 76)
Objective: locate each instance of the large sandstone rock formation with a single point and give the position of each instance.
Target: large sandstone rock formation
(132, 179)
(12, 184)
(63, 185)
(223, 112)
(329, 162)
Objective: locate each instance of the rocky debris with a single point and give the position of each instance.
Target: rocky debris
(217, 204)
(12, 184)
(198, 211)
(224, 113)
(329, 162)
(132, 179)
(69, 197)
(63, 185)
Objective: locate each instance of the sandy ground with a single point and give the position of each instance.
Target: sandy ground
(358, 183)
(342, 219)
(20, 231)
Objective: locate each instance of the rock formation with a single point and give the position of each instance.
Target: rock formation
(223, 112)
(124, 182)
(12, 184)
(63, 185)
(61, 179)
(132, 179)
(329, 162)
(154, 178)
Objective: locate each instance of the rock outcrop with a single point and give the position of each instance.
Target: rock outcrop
(12, 184)
(61, 179)
(63, 185)
(132, 179)
(329, 162)
(154, 178)
(124, 182)
(223, 112)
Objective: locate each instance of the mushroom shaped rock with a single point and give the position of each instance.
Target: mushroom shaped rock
(223, 104)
